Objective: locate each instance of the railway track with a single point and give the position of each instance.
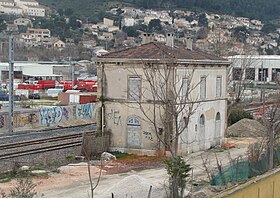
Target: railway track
(41, 145)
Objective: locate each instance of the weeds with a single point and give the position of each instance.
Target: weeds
(24, 188)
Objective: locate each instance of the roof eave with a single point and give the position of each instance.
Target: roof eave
(186, 61)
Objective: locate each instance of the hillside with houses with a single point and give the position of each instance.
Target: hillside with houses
(61, 32)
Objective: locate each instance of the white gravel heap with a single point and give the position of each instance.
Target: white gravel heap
(133, 186)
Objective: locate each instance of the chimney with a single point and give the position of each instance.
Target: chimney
(189, 43)
(170, 39)
(147, 38)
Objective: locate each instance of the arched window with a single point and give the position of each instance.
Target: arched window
(218, 116)
(133, 122)
(202, 120)
(217, 134)
(201, 135)
(133, 133)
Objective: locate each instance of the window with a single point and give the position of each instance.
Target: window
(219, 86)
(134, 88)
(184, 88)
(203, 87)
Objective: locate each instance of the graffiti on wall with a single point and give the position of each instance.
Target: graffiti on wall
(85, 111)
(47, 116)
(2, 121)
(54, 115)
(50, 115)
(21, 120)
(115, 116)
(65, 113)
(148, 135)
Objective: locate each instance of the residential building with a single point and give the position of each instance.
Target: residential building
(108, 22)
(57, 43)
(7, 2)
(12, 28)
(26, 2)
(113, 29)
(128, 22)
(39, 34)
(31, 10)
(20, 7)
(123, 86)
(11, 10)
(23, 21)
(26, 40)
(89, 44)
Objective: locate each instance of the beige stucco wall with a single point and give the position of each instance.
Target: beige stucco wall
(118, 109)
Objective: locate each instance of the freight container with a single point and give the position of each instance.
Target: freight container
(84, 99)
(74, 98)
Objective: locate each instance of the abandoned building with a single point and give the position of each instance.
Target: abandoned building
(132, 111)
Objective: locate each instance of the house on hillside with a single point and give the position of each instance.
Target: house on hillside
(12, 28)
(57, 43)
(39, 34)
(124, 88)
(23, 21)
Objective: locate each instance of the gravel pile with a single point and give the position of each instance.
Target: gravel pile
(246, 128)
(133, 186)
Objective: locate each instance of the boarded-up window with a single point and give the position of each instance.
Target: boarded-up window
(184, 88)
(134, 88)
(203, 87)
(219, 86)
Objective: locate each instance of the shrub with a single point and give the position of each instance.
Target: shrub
(177, 170)
(238, 114)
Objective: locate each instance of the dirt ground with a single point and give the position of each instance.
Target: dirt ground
(72, 180)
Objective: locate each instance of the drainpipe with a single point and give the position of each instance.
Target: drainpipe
(102, 101)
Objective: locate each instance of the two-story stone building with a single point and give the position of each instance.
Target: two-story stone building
(126, 98)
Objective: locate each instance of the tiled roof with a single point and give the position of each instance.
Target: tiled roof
(158, 50)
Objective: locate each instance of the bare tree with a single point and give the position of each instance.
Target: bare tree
(167, 104)
(170, 101)
(240, 72)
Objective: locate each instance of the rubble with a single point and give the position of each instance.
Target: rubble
(246, 128)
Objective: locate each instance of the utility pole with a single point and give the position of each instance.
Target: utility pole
(11, 84)
(73, 74)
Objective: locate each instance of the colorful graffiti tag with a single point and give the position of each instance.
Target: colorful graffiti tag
(21, 120)
(50, 115)
(85, 111)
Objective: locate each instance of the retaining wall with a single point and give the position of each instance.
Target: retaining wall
(49, 116)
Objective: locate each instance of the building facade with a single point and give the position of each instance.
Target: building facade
(255, 68)
(128, 103)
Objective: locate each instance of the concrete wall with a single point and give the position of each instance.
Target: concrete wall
(264, 186)
(48, 116)
(117, 116)
(194, 138)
